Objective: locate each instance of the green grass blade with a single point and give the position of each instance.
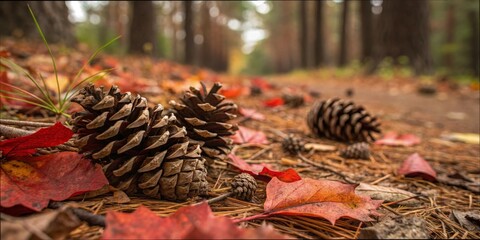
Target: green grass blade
(27, 101)
(91, 78)
(23, 92)
(49, 50)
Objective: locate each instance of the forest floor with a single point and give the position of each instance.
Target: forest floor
(397, 103)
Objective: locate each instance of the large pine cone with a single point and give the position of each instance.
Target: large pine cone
(342, 120)
(140, 150)
(205, 116)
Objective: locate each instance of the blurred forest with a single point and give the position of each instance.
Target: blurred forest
(268, 37)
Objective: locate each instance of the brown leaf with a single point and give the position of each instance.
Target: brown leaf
(319, 198)
(191, 222)
(55, 224)
(388, 194)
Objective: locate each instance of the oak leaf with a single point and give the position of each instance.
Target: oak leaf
(416, 166)
(319, 198)
(247, 135)
(262, 171)
(190, 222)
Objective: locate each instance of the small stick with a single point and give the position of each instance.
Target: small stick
(219, 198)
(25, 123)
(348, 180)
(82, 214)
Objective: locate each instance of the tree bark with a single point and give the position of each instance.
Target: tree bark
(401, 35)
(189, 33)
(303, 34)
(474, 40)
(52, 16)
(366, 30)
(206, 46)
(448, 58)
(319, 44)
(142, 28)
(342, 57)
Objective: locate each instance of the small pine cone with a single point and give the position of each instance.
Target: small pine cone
(293, 101)
(244, 186)
(140, 150)
(205, 115)
(342, 120)
(359, 150)
(293, 145)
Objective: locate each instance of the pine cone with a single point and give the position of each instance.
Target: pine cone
(140, 150)
(293, 145)
(205, 116)
(293, 101)
(359, 150)
(244, 186)
(342, 120)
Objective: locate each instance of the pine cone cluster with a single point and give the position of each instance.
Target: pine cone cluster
(243, 186)
(140, 150)
(293, 144)
(342, 120)
(359, 150)
(205, 116)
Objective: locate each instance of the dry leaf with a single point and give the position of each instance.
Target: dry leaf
(471, 138)
(388, 194)
(393, 139)
(247, 135)
(416, 166)
(320, 147)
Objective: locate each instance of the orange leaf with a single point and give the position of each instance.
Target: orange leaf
(190, 222)
(415, 166)
(274, 102)
(319, 198)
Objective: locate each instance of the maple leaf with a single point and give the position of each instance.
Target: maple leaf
(33, 181)
(415, 166)
(274, 102)
(247, 135)
(190, 222)
(252, 113)
(319, 198)
(393, 139)
(265, 174)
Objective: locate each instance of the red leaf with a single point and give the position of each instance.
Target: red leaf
(33, 181)
(233, 92)
(416, 166)
(393, 139)
(261, 83)
(252, 113)
(190, 222)
(247, 135)
(274, 102)
(265, 174)
(45, 137)
(319, 198)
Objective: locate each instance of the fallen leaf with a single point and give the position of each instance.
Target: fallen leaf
(393, 139)
(33, 181)
(55, 224)
(387, 194)
(252, 113)
(320, 147)
(464, 221)
(274, 102)
(247, 135)
(261, 83)
(233, 91)
(51, 82)
(319, 198)
(265, 174)
(190, 222)
(416, 166)
(45, 137)
(471, 138)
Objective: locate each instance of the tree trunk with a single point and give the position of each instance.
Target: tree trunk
(366, 30)
(206, 25)
(319, 50)
(474, 40)
(401, 35)
(142, 28)
(342, 57)
(448, 58)
(52, 16)
(303, 35)
(188, 27)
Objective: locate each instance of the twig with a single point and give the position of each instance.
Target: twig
(347, 179)
(219, 198)
(25, 123)
(37, 232)
(82, 214)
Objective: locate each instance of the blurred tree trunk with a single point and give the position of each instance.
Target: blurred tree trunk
(303, 34)
(474, 40)
(319, 50)
(206, 46)
(342, 57)
(401, 35)
(448, 58)
(142, 28)
(189, 33)
(366, 30)
(52, 16)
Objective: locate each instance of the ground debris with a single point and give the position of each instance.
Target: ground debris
(398, 227)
